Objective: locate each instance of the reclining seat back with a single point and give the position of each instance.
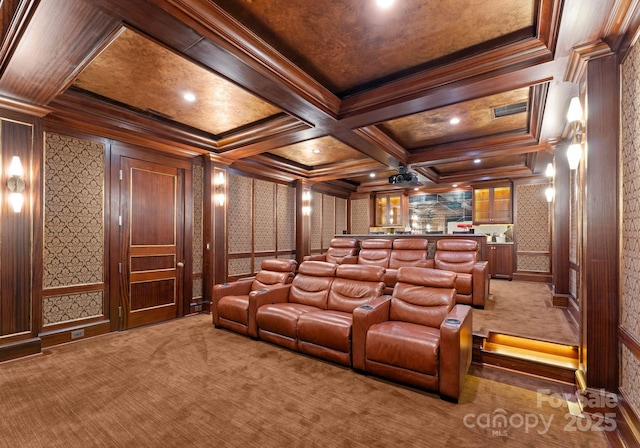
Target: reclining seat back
(422, 296)
(340, 248)
(274, 272)
(312, 284)
(355, 286)
(375, 252)
(406, 252)
(327, 333)
(458, 256)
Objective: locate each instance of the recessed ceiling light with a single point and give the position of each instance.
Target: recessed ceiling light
(372, 174)
(384, 3)
(315, 151)
(454, 120)
(477, 160)
(454, 185)
(189, 97)
(416, 189)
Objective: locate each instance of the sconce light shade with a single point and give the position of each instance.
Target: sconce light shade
(306, 203)
(16, 184)
(549, 192)
(550, 171)
(219, 196)
(574, 154)
(15, 167)
(575, 110)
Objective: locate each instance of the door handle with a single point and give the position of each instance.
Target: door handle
(180, 264)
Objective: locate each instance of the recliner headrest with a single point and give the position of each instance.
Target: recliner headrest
(360, 272)
(456, 244)
(279, 265)
(344, 242)
(410, 244)
(376, 244)
(435, 278)
(318, 269)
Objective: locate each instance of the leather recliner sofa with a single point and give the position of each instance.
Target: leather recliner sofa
(231, 305)
(461, 257)
(341, 250)
(314, 315)
(418, 336)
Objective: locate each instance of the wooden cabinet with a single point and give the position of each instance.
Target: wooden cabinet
(492, 204)
(389, 209)
(500, 257)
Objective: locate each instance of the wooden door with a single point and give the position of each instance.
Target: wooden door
(152, 207)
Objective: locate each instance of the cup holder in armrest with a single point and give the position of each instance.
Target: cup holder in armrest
(262, 290)
(452, 321)
(366, 307)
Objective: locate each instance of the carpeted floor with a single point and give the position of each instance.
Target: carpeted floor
(186, 384)
(524, 309)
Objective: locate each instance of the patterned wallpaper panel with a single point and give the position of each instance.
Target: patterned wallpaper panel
(73, 211)
(360, 216)
(537, 263)
(532, 221)
(328, 219)
(264, 236)
(239, 266)
(316, 220)
(286, 200)
(630, 256)
(198, 246)
(341, 215)
(197, 289)
(239, 214)
(65, 308)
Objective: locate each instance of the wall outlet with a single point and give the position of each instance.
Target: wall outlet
(198, 308)
(77, 334)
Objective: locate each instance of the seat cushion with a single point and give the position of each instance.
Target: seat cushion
(328, 328)
(234, 308)
(282, 318)
(406, 345)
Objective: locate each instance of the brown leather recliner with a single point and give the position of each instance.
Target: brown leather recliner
(327, 333)
(375, 252)
(278, 309)
(230, 307)
(340, 250)
(418, 336)
(461, 257)
(405, 252)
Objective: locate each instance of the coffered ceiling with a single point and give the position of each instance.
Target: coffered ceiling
(337, 92)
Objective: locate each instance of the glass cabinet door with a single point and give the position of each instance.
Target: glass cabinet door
(395, 210)
(502, 204)
(481, 205)
(381, 210)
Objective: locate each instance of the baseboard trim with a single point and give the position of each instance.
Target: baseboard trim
(627, 429)
(19, 349)
(532, 277)
(63, 335)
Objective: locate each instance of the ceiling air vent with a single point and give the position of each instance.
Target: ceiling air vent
(510, 109)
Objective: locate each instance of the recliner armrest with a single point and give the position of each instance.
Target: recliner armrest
(456, 345)
(239, 288)
(278, 294)
(376, 311)
(480, 275)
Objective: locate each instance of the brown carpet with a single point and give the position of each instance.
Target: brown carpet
(524, 309)
(186, 384)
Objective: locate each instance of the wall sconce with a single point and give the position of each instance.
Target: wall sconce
(16, 184)
(550, 171)
(549, 193)
(306, 203)
(219, 195)
(575, 117)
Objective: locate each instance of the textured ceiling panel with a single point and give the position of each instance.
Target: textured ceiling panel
(329, 150)
(476, 120)
(347, 44)
(144, 75)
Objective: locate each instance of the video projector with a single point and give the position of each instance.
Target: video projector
(405, 179)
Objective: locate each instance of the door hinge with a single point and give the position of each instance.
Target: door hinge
(119, 268)
(119, 311)
(120, 220)
(120, 174)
